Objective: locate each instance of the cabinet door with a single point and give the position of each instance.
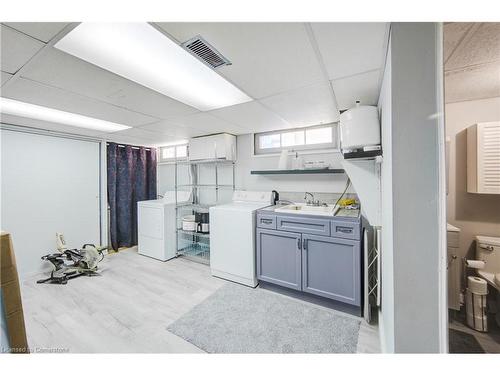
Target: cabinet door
(331, 267)
(279, 258)
(454, 268)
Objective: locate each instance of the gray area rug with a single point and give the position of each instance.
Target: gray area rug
(238, 319)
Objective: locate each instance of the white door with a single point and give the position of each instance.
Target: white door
(49, 184)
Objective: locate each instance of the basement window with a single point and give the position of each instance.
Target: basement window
(320, 137)
(173, 153)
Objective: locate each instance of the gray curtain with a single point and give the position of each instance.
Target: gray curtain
(131, 178)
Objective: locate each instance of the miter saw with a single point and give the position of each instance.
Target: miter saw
(71, 263)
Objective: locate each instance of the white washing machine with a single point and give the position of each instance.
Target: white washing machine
(156, 225)
(232, 237)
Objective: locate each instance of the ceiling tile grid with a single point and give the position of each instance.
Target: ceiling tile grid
(267, 58)
(50, 126)
(17, 49)
(67, 72)
(43, 31)
(252, 116)
(275, 63)
(166, 127)
(36, 93)
(206, 123)
(350, 48)
(144, 134)
(363, 87)
(5, 77)
(310, 105)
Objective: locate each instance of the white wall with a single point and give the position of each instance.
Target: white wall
(329, 183)
(411, 318)
(49, 184)
(473, 213)
(415, 173)
(386, 316)
(246, 162)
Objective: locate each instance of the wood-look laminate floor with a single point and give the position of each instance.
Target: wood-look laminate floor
(127, 309)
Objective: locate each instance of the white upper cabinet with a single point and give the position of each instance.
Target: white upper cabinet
(217, 146)
(483, 158)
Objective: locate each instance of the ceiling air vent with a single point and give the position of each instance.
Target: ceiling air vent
(205, 52)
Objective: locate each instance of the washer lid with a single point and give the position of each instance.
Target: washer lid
(485, 240)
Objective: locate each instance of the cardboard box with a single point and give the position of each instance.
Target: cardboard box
(11, 294)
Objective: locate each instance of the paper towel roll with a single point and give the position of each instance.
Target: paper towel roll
(477, 285)
(476, 264)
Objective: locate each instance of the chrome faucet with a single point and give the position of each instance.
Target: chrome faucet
(311, 202)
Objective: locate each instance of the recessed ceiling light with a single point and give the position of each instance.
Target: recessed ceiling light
(141, 53)
(17, 108)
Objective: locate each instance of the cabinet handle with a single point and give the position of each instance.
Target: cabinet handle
(304, 244)
(266, 221)
(298, 243)
(344, 229)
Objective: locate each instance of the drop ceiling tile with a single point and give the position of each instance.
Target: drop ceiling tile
(204, 123)
(5, 77)
(267, 58)
(43, 31)
(482, 47)
(311, 105)
(454, 32)
(474, 83)
(16, 49)
(363, 87)
(350, 48)
(70, 73)
(165, 127)
(252, 116)
(155, 138)
(37, 93)
(45, 125)
(134, 141)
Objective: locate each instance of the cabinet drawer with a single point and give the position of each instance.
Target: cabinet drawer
(342, 229)
(303, 225)
(266, 221)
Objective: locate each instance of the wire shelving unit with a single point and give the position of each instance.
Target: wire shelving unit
(191, 244)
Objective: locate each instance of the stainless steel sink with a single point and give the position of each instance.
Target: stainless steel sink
(304, 209)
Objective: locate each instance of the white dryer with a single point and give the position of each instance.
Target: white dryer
(232, 237)
(156, 225)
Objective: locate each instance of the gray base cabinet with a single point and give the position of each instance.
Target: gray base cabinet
(322, 264)
(331, 268)
(279, 258)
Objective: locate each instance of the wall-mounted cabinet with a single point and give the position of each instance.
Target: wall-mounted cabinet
(213, 147)
(483, 158)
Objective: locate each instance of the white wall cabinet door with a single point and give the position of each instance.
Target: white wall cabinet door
(483, 158)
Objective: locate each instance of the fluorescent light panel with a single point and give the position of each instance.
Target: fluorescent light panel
(140, 53)
(17, 108)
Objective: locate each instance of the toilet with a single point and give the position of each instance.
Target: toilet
(488, 250)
